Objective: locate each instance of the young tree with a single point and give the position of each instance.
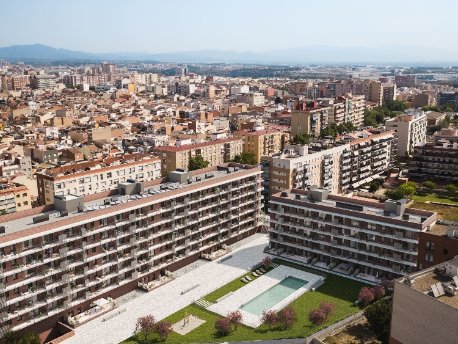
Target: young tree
(378, 292)
(378, 316)
(317, 316)
(450, 188)
(429, 185)
(145, 325)
(408, 189)
(365, 296)
(287, 317)
(196, 163)
(164, 329)
(395, 194)
(301, 139)
(223, 326)
(270, 318)
(245, 158)
(235, 318)
(267, 262)
(327, 308)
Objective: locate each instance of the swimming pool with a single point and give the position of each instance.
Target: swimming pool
(273, 295)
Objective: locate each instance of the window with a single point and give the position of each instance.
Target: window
(429, 257)
(430, 246)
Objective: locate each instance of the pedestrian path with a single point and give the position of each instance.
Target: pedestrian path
(203, 303)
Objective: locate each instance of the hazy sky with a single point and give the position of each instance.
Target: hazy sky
(242, 25)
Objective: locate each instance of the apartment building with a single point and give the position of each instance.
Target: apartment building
(344, 166)
(93, 177)
(309, 119)
(57, 263)
(437, 245)
(447, 98)
(435, 161)
(425, 306)
(377, 92)
(405, 80)
(14, 198)
(43, 82)
(410, 129)
(215, 152)
(352, 236)
(18, 82)
(262, 142)
(348, 109)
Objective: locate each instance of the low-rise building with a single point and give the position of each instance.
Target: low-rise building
(14, 198)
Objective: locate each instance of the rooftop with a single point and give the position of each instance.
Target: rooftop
(17, 226)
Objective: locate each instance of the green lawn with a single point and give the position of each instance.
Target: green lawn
(340, 291)
(443, 211)
(432, 197)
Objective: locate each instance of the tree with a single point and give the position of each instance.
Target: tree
(270, 318)
(235, 318)
(327, 308)
(395, 194)
(301, 139)
(378, 291)
(396, 105)
(378, 316)
(365, 296)
(408, 190)
(287, 317)
(223, 326)
(429, 185)
(164, 329)
(196, 163)
(267, 262)
(317, 316)
(451, 188)
(20, 338)
(145, 325)
(245, 158)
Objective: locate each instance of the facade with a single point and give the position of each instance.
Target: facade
(94, 177)
(337, 169)
(349, 235)
(419, 316)
(410, 130)
(105, 248)
(43, 82)
(348, 109)
(215, 152)
(309, 120)
(447, 99)
(14, 198)
(262, 142)
(438, 245)
(405, 80)
(435, 161)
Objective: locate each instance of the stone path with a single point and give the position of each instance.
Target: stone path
(181, 328)
(167, 299)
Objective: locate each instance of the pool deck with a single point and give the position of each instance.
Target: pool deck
(167, 299)
(243, 295)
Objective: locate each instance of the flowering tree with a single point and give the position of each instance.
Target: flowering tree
(365, 296)
(270, 318)
(327, 308)
(223, 326)
(164, 329)
(267, 262)
(287, 317)
(145, 325)
(317, 316)
(378, 292)
(235, 318)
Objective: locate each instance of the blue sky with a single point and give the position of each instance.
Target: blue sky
(242, 25)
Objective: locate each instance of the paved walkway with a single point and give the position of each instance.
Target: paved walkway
(166, 300)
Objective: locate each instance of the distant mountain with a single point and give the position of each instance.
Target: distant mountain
(302, 55)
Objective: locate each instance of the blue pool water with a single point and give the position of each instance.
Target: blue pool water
(273, 295)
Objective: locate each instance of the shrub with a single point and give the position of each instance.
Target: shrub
(270, 318)
(223, 326)
(365, 296)
(145, 325)
(164, 329)
(235, 318)
(429, 185)
(317, 316)
(267, 262)
(378, 292)
(287, 317)
(450, 188)
(387, 284)
(378, 316)
(327, 308)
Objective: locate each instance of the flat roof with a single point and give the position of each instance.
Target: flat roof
(117, 203)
